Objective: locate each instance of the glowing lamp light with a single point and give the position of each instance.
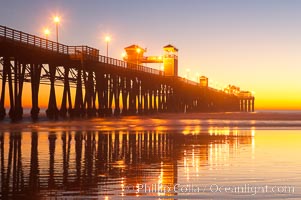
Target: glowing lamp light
(107, 38)
(138, 50)
(56, 19)
(46, 32)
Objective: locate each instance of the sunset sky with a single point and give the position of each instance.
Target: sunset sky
(254, 44)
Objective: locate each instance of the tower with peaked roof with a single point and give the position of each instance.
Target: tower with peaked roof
(135, 54)
(170, 60)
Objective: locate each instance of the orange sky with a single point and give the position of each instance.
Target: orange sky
(270, 101)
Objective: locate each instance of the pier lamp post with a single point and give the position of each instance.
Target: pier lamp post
(56, 20)
(197, 77)
(159, 58)
(162, 69)
(46, 32)
(187, 73)
(123, 55)
(107, 39)
(138, 52)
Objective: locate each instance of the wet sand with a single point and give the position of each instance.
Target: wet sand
(266, 120)
(105, 157)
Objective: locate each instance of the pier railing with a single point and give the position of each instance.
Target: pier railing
(13, 35)
(75, 52)
(132, 66)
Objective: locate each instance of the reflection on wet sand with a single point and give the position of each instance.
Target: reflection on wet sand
(68, 164)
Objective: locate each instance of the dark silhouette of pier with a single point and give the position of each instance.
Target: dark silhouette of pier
(104, 86)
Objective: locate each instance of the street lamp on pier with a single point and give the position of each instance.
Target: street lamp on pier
(46, 32)
(107, 39)
(187, 73)
(138, 52)
(56, 20)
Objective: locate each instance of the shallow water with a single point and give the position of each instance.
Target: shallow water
(150, 158)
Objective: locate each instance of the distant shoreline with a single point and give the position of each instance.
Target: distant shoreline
(265, 115)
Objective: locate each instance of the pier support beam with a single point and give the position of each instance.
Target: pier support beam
(66, 95)
(135, 91)
(139, 93)
(52, 111)
(170, 103)
(100, 93)
(79, 109)
(116, 90)
(249, 105)
(160, 99)
(145, 106)
(89, 96)
(124, 86)
(246, 105)
(6, 68)
(241, 103)
(155, 100)
(110, 94)
(35, 75)
(15, 89)
(132, 96)
(106, 94)
(150, 101)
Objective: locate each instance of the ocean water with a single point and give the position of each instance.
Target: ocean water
(194, 156)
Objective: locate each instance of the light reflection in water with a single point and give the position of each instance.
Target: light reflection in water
(96, 163)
